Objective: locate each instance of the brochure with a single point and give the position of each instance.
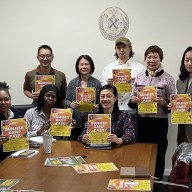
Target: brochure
(7, 183)
(95, 167)
(60, 120)
(99, 127)
(180, 108)
(122, 80)
(41, 80)
(147, 96)
(25, 153)
(129, 184)
(38, 139)
(9, 190)
(16, 130)
(86, 97)
(64, 161)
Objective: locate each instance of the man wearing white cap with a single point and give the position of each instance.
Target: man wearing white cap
(123, 54)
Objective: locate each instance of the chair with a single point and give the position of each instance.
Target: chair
(19, 110)
(181, 172)
(134, 118)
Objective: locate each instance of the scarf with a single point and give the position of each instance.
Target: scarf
(153, 73)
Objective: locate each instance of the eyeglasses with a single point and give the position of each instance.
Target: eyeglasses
(5, 100)
(43, 56)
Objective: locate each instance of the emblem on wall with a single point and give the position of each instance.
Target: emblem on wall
(113, 23)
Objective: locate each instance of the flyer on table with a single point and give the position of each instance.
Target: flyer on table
(86, 97)
(16, 130)
(122, 80)
(95, 167)
(9, 190)
(99, 127)
(64, 161)
(147, 96)
(60, 120)
(180, 108)
(7, 183)
(129, 184)
(41, 80)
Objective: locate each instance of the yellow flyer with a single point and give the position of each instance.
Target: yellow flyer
(99, 127)
(122, 80)
(180, 109)
(147, 96)
(60, 120)
(41, 80)
(86, 97)
(129, 184)
(16, 130)
(95, 167)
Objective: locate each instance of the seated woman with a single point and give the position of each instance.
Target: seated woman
(84, 68)
(5, 114)
(38, 117)
(122, 130)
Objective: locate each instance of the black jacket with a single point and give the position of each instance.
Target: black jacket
(3, 155)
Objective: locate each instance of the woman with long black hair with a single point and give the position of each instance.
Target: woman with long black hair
(122, 130)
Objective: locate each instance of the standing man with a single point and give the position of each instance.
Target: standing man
(45, 57)
(123, 53)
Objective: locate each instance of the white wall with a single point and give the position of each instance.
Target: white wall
(71, 29)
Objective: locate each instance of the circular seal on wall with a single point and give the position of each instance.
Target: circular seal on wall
(113, 23)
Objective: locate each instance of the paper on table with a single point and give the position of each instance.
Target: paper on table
(38, 139)
(17, 153)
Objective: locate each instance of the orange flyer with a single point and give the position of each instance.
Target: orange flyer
(122, 80)
(95, 167)
(61, 120)
(41, 80)
(147, 96)
(180, 108)
(129, 184)
(16, 130)
(86, 97)
(99, 127)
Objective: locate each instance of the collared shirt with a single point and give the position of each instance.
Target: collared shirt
(60, 80)
(136, 68)
(10, 114)
(35, 121)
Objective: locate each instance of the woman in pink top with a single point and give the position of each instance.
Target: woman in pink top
(153, 127)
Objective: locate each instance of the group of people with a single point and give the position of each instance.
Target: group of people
(152, 128)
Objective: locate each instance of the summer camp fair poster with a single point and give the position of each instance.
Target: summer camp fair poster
(122, 80)
(16, 130)
(99, 127)
(95, 167)
(180, 108)
(42, 80)
(60, 120)
(86, 97)
(129, 184)
(147, 96)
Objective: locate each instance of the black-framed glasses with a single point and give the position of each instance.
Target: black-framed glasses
(43, 56)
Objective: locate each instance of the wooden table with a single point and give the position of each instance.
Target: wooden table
(33, 175)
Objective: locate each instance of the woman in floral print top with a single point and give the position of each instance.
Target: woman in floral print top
(122, 130)
(153, 127)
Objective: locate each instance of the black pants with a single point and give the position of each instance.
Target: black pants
(154, 130)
